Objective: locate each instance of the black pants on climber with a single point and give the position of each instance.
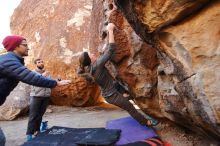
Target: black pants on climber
(123, 102)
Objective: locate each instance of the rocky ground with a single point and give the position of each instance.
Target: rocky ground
(97, 117)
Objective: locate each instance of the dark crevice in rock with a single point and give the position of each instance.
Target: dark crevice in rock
(127, 7)
(188, 14)
(187, 78)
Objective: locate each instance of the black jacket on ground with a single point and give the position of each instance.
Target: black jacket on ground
(12, 70)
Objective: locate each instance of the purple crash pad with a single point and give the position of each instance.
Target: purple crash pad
(131, 130)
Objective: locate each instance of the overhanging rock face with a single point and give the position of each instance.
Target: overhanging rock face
(168, 56)
(135, 62)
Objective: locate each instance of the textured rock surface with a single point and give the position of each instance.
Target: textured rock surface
(16, 103)
(57, 32)
(167, 55)
(188, 52)
(134, 63)
(198, 51)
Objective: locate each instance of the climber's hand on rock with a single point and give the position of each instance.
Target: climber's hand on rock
(110, 27)
(125, 94)
(63, 82)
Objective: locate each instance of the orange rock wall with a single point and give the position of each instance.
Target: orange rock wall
(58, 31)
(185, 35)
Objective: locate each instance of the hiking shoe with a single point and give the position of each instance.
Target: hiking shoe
(44, 126)
(29, 137)
(152, 121)
(155, 122)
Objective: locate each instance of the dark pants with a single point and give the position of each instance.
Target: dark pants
(123, 102)
(38, 106)
(2, 138)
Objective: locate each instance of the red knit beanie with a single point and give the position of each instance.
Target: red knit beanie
(11, 42)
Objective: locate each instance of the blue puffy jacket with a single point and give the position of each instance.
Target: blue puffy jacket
(12, 70)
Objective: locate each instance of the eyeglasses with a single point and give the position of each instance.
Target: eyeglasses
(40, 62)
(25, 45)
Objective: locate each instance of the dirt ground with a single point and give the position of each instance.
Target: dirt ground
(96, 117)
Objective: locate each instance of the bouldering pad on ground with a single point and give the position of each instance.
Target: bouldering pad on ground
(62, 136)
(131, 130)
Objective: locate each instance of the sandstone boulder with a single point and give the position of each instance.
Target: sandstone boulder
(16, 103)
(186, 37)
(57, 32)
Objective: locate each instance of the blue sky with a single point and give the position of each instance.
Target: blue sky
(6, 10)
